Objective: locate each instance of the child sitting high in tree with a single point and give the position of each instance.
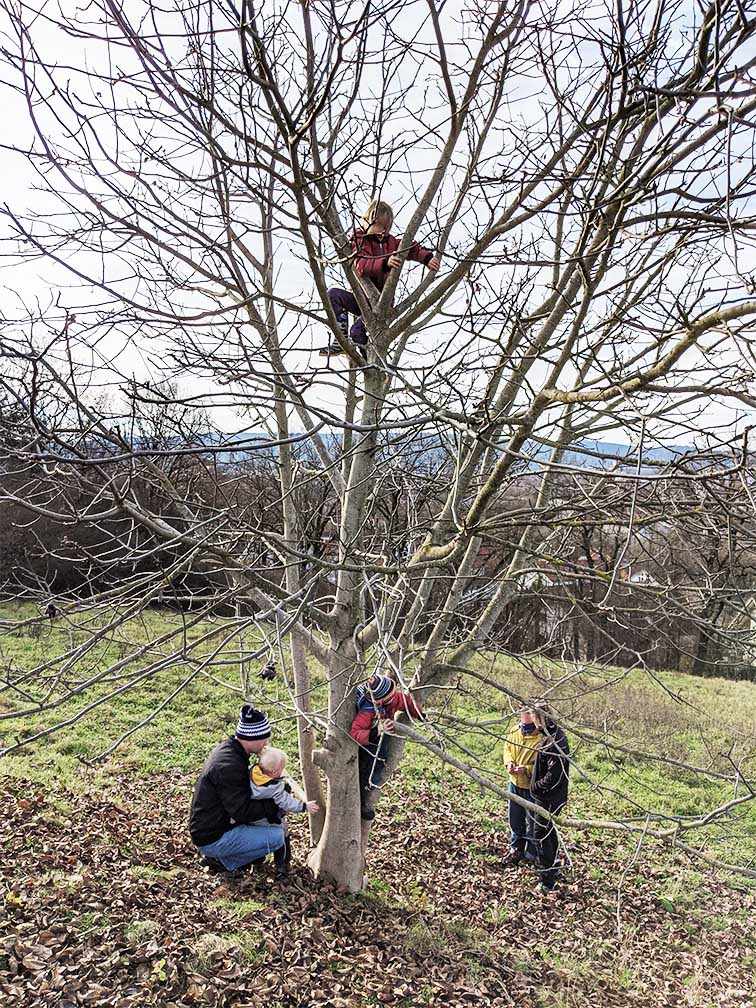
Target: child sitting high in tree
(267, 781)
(375, 251)
(378, 703)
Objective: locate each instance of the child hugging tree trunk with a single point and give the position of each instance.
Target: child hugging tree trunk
(378, 703)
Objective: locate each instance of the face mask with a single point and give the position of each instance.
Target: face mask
(527, 729)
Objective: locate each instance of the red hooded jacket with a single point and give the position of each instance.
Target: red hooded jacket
(363, 726)
(373, 251)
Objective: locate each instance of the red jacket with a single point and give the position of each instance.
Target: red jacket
(373, 251)
(368, 715)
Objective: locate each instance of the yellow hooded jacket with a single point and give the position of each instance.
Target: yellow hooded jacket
(276, 789)
(521, 750)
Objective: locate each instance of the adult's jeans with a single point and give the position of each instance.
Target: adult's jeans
(521, 824)
(344, 304)
(242, 845)
(547, 843)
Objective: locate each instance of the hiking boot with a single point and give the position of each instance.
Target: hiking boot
(282, 860)
(213, 865)
(332, 350)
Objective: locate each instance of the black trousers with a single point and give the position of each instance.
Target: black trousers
(372, 760)
(547, 845)
(344, 304)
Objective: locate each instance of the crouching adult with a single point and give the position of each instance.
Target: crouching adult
(224, 821)
(548, 788)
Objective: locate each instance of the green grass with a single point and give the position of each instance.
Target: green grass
(497, 914)
(139, 931)
(705, 722)
(436, 934)
(205, 704)
(149, 874)
(241, 909)
(210, 949)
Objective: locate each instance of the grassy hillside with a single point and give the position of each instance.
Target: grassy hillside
(98, 857)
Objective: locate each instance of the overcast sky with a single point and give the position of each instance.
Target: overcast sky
(44, 283)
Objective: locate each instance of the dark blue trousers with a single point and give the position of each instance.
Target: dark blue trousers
(344, 304)
(547, 843)
(521, 824)
(372, 760)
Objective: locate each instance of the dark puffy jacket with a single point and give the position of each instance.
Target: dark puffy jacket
(222, 795)
(548, 785)
(373, 251)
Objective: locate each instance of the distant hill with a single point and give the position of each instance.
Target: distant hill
(432, 448)
(418, 451)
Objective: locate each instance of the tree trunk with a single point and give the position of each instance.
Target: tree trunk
(339, 854)
(306, 737)
(706, 652)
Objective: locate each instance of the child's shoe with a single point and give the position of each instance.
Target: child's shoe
(334, 349)
(282, 860)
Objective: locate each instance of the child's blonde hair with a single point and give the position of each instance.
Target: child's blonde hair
(272, 759)
(378, 208)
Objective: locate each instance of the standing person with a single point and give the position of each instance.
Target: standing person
(378, 703)
(225, 820)
(520, 751)
(375, 251)
(268, 783)
(548, 786)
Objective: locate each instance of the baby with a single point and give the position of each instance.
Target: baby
(268, 781)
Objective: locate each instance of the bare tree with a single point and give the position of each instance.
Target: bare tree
(585, 174)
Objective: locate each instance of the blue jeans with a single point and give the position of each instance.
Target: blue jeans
(243, 844)
(521, 826)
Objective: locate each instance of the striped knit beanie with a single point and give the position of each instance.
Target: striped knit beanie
(253, 724)
(378, 687)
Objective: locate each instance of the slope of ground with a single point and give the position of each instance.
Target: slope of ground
(105, 904)
(103, 901)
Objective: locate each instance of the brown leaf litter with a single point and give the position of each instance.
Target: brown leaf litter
(104, 903)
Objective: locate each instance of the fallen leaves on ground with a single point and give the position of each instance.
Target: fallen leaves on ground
(105, 903)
